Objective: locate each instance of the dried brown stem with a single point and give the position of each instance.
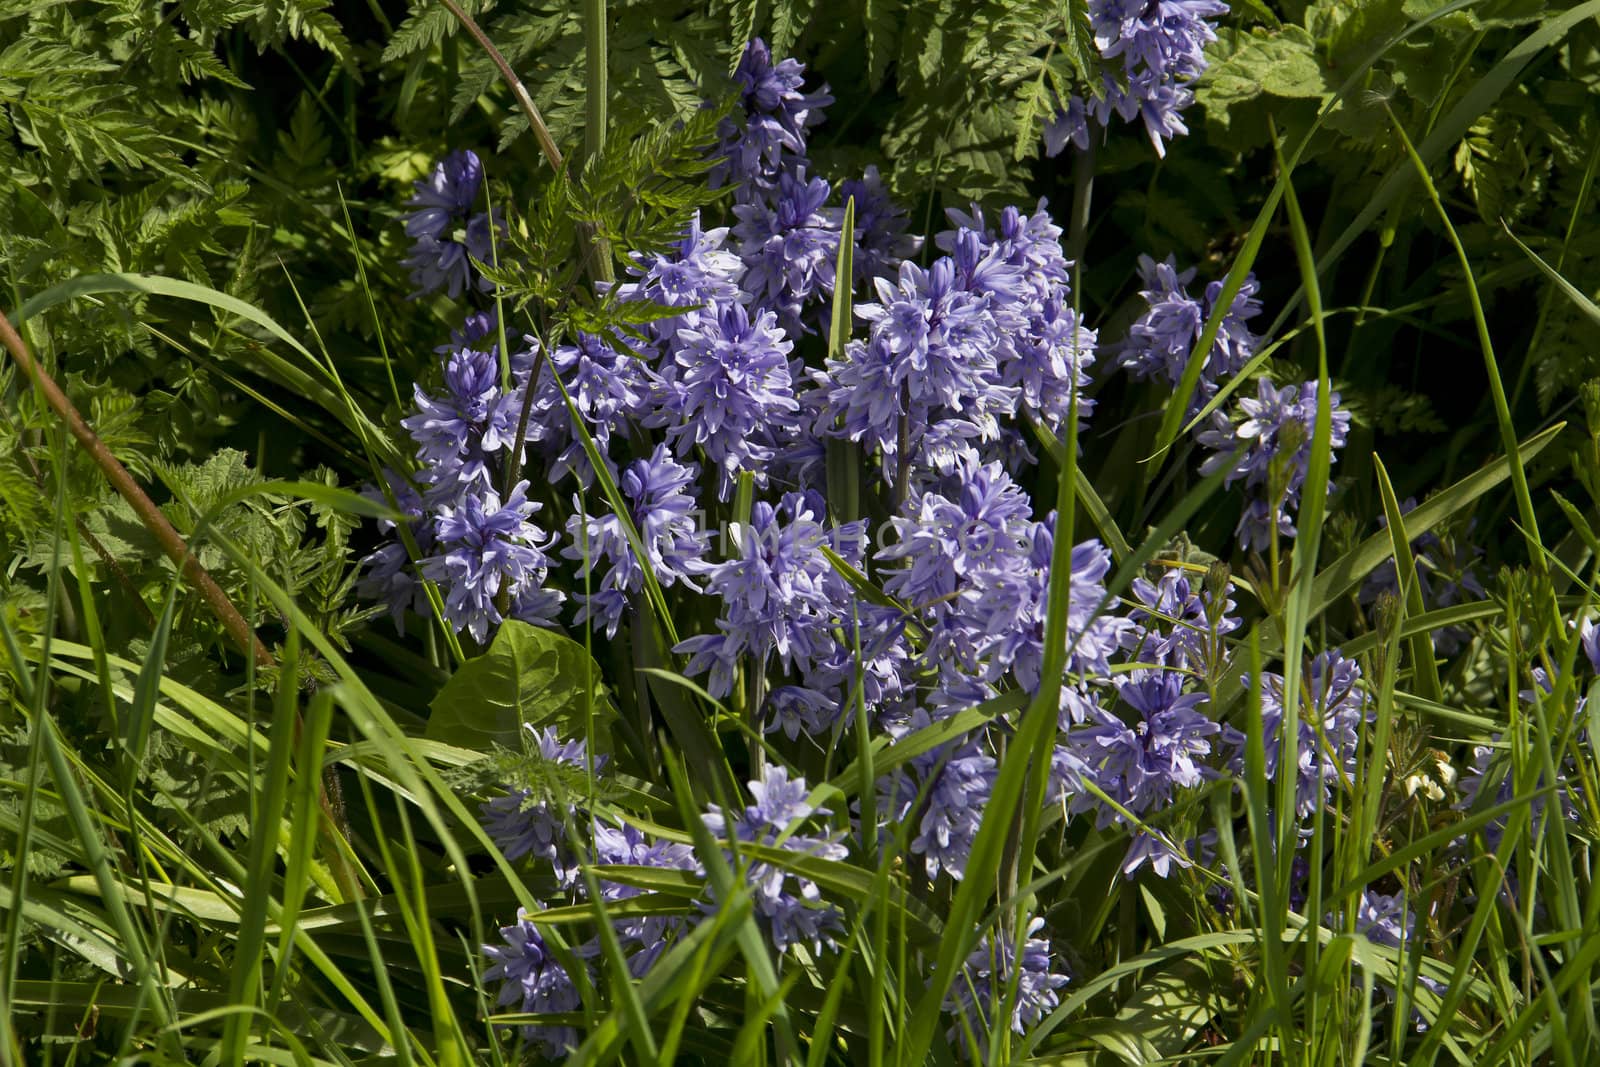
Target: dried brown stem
(541, 132)
(595, 251)
(155, 521)
(177, 550)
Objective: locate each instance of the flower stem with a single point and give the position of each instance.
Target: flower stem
(596, 249)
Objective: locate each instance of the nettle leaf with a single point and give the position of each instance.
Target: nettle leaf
(1280, 63)
(528, 676)
(1249, 70)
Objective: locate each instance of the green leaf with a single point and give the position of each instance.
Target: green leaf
(1343, 573)
(1281, 63)
(528, 676)
(1573, 293)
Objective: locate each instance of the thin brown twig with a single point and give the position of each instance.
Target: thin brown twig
(154, 519)
(172, 543)
(594, 249)
(541, 132)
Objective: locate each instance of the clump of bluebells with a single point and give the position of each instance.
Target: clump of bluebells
(722, 422)
(1153, 52)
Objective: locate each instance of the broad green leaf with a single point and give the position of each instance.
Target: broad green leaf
(528, 677)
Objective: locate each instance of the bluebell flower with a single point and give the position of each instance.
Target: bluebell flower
(780, 594)
(444, 231)
(1023, 271)
(1051, 364)
(627, 846)
(1029, 244)
(979, 267)
(963, 778)
(1146, 848)
(932, 354)
(484, 546)
(386, 572)
(476, 328)
(726, 389)
(610, 389)
(790, 244)
(446, 195)
(1332, 708)
(984, 526)
(869, 639)
(1161, 341)
(1069, 125)
(1093, 632)
(990, 972)
(1141, 766)
(665, 514)
(520, 824)
(1158, 48)
(776, 115)
(789, 906)
(956, 551)
(697, 273)
(1383, 919)
(1179, 626)
(1589, 641)
(1275, 429)
(796, 709)
(881, 241)
(533, 981)
(459, 435)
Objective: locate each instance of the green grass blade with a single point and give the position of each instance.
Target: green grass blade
(1497, 389)
(1405, 568)
(269, 803)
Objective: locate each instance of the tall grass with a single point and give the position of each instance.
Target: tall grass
(309, 931)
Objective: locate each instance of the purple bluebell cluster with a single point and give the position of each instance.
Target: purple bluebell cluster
(726, 412)
(1383, 919)
(1181, 623)
(771, 139)
(954, 783)
(880, 237)
(447, 235)
(521, 824)
(1267, 447)
(1162, 339)
(957, 352)
(996, 973)
(532, 980)
(727, 391)
(644, 937)
(478, 539)
(1141, 765)
(1153, 50)
(782, 598)
(664, 515)
(489, 551)
(1330, 710)
(789, 241)
(789, 906)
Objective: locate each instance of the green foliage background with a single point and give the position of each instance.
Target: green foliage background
(264, 151)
